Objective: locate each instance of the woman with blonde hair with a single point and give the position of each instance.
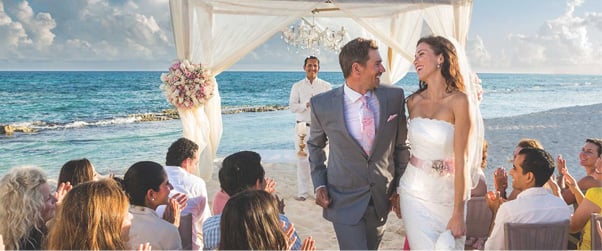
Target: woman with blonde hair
(28, 205)
(77, 171)
(94, 216)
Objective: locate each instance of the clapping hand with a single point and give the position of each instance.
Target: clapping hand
(61, 191)
(308, 244)
(173, 209)
(2, 242)
(144, 247)
(494, 201)
(181, 198)
(569, 180)
(500, 181)
(270, 186)
(281, 204)
(290, 234)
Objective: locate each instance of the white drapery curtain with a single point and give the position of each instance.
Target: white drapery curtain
(218, 33)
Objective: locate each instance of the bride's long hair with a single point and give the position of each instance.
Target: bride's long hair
(450, 68)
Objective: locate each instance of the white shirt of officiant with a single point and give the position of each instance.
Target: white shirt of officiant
(301, 92)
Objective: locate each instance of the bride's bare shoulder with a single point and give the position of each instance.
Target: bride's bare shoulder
(413, 98)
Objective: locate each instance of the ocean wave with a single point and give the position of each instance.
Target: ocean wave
(169, 114)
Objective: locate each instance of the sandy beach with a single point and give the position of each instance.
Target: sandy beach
(562, 131)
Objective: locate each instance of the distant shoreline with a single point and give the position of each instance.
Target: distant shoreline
(169, 114)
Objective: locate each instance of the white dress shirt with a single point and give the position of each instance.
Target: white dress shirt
(353, 111)
(194, 187)
(301, 92)
(533, 205)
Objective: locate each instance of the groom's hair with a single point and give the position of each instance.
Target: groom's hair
(180, 150)
(539, 162)
(355, 51)
(240, 171)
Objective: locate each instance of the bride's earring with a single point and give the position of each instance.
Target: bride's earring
(438, 66)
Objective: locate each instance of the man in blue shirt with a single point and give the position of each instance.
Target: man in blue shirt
(240, 171)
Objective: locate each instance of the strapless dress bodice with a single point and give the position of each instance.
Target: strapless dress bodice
(431, 139)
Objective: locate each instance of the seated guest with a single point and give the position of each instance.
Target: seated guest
(94, 216)
(250, 221)
(27, 205)
(587, 159)
(147, 187)
(240, 171)
(588, 204)
(532, 168)
(77, 171)
(500, 177)
(181, 161)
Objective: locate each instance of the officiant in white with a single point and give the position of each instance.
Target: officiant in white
(301, 92)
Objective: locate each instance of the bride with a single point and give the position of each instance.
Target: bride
(444, 126)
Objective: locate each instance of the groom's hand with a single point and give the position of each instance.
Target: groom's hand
(322, 198)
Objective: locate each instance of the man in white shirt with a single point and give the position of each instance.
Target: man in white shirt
(181, 161)
(532, 168)
(301, 92)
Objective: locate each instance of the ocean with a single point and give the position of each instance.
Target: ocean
(88, 114)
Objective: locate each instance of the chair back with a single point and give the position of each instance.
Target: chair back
(595, 236)
(478, 218)
(185, 230)
(536, 236)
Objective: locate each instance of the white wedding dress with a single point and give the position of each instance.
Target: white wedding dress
(427, 195)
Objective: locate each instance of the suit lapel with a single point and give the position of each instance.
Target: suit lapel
(381, 95)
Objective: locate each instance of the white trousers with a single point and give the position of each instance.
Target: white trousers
(304, 184)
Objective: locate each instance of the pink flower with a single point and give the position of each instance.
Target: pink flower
(187, 85)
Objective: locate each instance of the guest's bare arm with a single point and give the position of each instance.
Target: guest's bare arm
(582, 215)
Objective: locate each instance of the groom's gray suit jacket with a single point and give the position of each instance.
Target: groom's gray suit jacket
(351, 176)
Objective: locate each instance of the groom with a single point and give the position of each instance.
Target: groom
(365, 126)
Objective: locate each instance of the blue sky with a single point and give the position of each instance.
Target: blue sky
(533, 36)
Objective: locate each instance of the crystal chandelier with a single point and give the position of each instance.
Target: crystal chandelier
(308, 36)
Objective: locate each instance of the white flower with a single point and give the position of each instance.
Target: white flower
(185, 92)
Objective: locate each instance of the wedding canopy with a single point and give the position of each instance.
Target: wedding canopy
(218, 33)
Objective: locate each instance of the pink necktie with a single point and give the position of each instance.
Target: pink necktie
(368, 128)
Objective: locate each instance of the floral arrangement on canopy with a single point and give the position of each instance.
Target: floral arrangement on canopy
(187, 85)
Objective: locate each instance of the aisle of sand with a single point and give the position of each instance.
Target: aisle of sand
(562, 131)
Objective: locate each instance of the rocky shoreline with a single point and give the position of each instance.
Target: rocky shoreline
(169, 114)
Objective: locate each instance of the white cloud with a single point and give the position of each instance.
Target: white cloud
(477, 53)
(88, 30)
(38, 27)
(563, 44)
